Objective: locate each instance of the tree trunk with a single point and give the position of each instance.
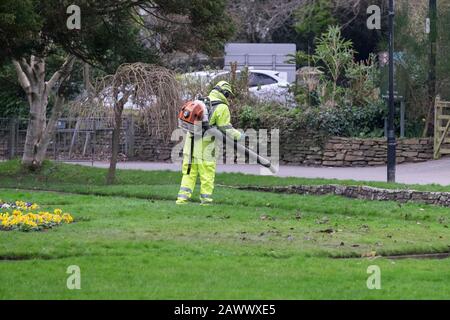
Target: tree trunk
(32, 79)
(50, 128)
(118, 111)
(111, 178)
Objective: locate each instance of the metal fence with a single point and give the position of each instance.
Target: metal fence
(12, 137)
(74, 139)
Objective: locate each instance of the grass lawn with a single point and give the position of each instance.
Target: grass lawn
(131, 241)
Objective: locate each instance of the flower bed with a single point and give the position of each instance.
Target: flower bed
(25, 216)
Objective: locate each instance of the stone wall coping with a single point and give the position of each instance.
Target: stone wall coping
(361, 192)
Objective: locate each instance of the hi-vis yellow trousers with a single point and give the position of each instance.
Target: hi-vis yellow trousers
(206, 171)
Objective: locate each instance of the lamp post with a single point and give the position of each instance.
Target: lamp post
(391, 141)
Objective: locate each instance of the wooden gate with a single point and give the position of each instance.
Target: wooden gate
(441, 128)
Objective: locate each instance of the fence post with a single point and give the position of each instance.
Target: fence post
(402, 118)
(12, 139)
(94, 140)
(437, 113)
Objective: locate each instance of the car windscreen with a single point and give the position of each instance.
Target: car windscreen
(259, 79)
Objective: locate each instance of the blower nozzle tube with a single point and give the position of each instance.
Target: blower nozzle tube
(244, 150)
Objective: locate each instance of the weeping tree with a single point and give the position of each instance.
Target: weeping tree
(148, 89)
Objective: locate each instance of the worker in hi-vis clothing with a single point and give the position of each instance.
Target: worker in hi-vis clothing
(200, 160)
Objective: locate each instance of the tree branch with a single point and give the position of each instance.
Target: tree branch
(61, 74)
(23, 79)
(56, 114)
(26, 68)
(57, 108)
(162, 17)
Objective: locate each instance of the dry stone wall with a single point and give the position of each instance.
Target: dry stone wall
(363, 192)
(351, 152)
(296, 148)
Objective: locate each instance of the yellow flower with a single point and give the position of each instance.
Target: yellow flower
(24, 217)
(67, 218)
(31, 223)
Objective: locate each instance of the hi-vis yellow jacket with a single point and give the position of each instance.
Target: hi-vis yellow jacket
(219, 117)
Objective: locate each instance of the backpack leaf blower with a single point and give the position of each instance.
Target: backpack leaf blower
(195, 114)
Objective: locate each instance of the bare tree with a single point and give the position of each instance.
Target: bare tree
(151, 90)
(32, 79)
(259, 17)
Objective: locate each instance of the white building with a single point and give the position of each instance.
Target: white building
(262, 56)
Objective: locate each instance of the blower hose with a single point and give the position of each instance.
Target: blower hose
(244, 150)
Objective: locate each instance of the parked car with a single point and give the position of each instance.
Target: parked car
(265, 85)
